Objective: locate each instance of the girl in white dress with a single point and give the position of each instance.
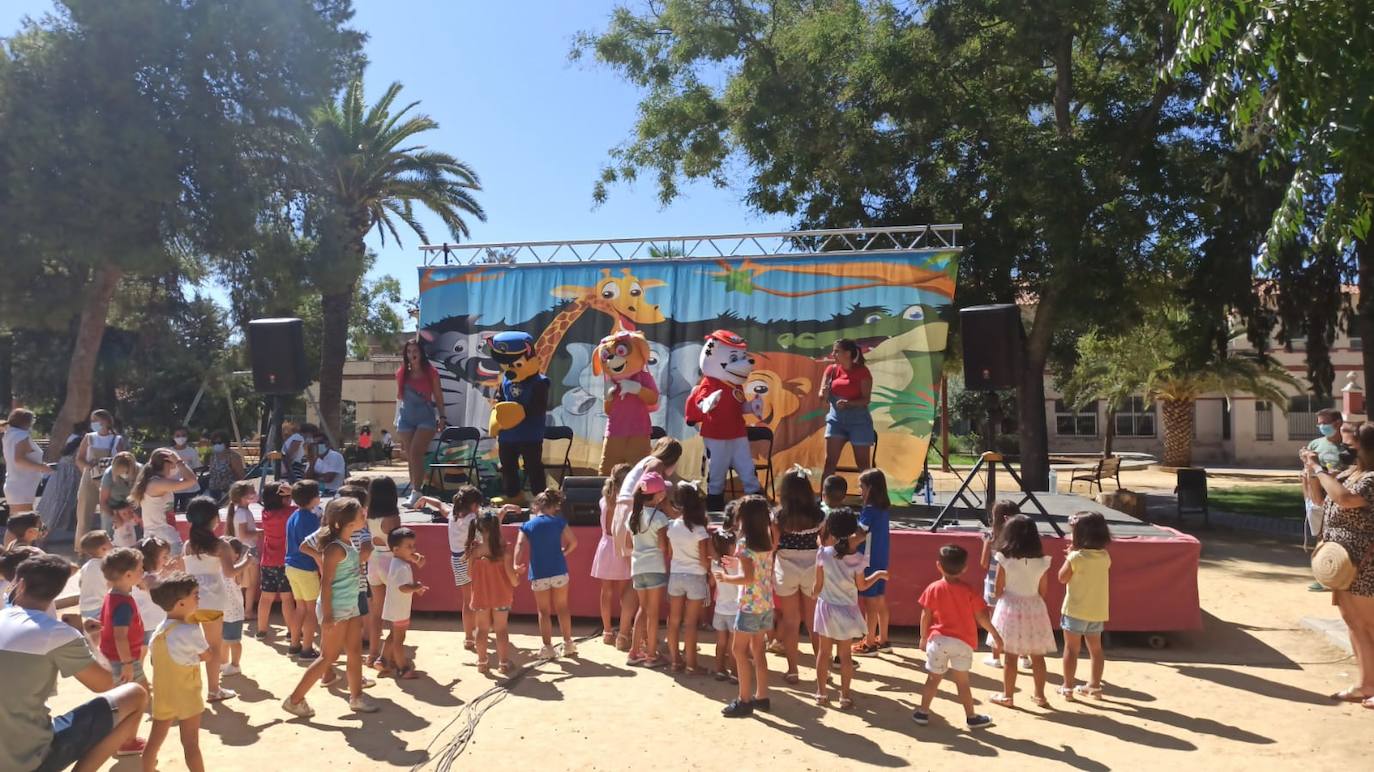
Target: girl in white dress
(1020, 616)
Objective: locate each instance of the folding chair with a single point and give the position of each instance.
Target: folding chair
(763, 464)
(450, 440)
(657, 433)
(554, 433)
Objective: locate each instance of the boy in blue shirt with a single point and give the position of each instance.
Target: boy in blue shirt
(301, 571)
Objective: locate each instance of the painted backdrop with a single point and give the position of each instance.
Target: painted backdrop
(789, 309)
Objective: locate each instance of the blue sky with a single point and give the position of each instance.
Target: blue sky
(536, 127)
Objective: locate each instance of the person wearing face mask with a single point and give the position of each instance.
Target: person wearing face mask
(163, 476)
(186, 451)
(1328, 445)
(328, 468)
(93, 458)
(116, 510)
(224, 469)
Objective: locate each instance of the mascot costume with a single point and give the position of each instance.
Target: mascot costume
(717, 406)
(517, 418)
(623, 357)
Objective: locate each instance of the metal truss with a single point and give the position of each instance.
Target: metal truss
(839, 241)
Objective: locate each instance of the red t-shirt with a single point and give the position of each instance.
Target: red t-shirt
(273, 541)
(847, 384)
(422, 382)
(120, 610)
(954, 605)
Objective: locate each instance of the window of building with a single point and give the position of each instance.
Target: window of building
(1264, 421)
(1356, 344)
(1136, 418)
(1068, 423)
(1302, 416)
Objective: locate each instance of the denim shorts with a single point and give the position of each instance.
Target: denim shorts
(651, 581)
(233, 631)
(694, 586)
(753, 623)
(75, 733)
(852, 423)
(723, 623)
(1080, 627)
(417, 412)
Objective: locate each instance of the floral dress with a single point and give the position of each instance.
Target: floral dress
(1354, 530)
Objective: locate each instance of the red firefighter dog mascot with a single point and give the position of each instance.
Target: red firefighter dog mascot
(717, 406)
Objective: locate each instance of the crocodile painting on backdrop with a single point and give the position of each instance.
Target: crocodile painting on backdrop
(789, 309)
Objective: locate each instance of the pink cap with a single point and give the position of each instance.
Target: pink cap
(652, 482)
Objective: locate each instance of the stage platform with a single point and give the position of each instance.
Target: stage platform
(1153, 575)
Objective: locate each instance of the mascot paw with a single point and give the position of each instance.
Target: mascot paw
(709, 403)
(630, 387)
(507, 415)
(755, 406)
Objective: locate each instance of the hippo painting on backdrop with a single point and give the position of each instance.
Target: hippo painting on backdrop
(788, 311)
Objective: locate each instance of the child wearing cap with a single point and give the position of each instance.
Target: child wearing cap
(647, 539)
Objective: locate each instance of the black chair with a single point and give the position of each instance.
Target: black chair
(554, 433)
(461, 472)
(657, 433)
(1191, 492)
(763, 464)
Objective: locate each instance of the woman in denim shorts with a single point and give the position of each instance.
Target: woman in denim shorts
(847, 386)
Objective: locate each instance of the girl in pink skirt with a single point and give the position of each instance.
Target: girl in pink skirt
(838, 619)
(1021, 617)
(612, 569)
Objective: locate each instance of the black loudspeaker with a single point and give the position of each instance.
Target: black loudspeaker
(277, 349)
(993, 345)
(582, 500)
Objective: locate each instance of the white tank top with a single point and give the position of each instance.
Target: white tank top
(209, 574)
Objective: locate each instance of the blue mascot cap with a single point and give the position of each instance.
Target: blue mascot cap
(507, 347)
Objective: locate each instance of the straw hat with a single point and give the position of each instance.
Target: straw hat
(1332, 566)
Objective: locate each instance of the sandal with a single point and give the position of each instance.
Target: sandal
(721, 675)
(608, 639)
(822, 698)
(470, 645)
(1091, 691)
(792, 677)
(622, 642)
(1001, 699)
(775, 647)
(221, 695)
(407, 673)
(696, 670)
(507, 668)
(1351, 695)
(679, 667)
(655, 662)
(1066, 692)
(1040, 702)
(1369, 703)
(846, 703)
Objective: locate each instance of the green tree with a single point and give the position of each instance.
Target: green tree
(365, 176)
(1042, 128)
(136, 137)
(1111, 369)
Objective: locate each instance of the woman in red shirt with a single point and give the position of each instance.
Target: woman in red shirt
(419, 410)
(847, 386)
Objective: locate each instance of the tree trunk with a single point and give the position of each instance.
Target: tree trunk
(334, 307)
(1035, 432)
(1364, 319)
(81, 369)
(6, 373)
(1109, 433)
(1178, 432)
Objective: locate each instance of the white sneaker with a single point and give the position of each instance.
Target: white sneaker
(992, 662)
(569, 649)
(361, 704)
(229, 669)
(300, 709)
(548, 652)
(414, 499)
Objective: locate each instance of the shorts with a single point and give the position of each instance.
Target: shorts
(363, 606)
(273, 579)
(723, 623)
(753, 623)
(377, 567)
(549, 583)
(876, 590)
(75, 733)
(854, 424)
(340, 614)
(416, 412)
(944, 653)
(139, 676)
(1079, 626)
(694, 586)
(651, 581)
(398, 624)
(794, 571)
(233, 631)
(459, 562)
(305, 585)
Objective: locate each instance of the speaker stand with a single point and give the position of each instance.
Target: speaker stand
(991, 460)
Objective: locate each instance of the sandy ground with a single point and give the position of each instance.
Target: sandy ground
(1248, 691)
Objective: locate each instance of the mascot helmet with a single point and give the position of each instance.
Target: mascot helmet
(514, 352)
(621, 355)
(725, 357)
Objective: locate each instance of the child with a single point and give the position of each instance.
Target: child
(209, 560)
(272, 584)
(1084, 575)
(550, 542)
(121, 627)
(838, 619)
(752, 569)
(9, 564)
(337, 608)
(95, 545)
(24, 530)
(612, 569)
(647, 538)
(874, 521)
(356, 488)
(1020, 616)
(178, 648)
(467, 502)
(400, 589)
(157, 553)
(1000, 512)
(234, 610)
(833, 491)
(302, 573)
(951, 614)
(494, 579)
(688, 587)
(115, 507)
(727, 604)
(239, 524)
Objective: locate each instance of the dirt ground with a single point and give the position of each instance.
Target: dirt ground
(1247, 691)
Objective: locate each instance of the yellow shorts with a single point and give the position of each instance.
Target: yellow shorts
(305, 585)
(627, 450)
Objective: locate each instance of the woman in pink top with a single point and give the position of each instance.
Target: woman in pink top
(419, 410)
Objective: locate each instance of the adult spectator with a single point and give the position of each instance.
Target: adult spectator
(847, 386)
(365, 444)
(419, 411)
(34, 649)
(24, 467)
(328, 468)
(1328, 445)
(164, 476)
(116, 488)
(1349, 522)
(93, 457)
(186, 451)
(58, 505)
(293, 449)
(224, 468)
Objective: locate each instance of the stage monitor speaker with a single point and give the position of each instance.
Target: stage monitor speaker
(277, 350)
(582, 500)
(993, 346)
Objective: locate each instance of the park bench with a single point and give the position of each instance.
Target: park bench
(1108, 467)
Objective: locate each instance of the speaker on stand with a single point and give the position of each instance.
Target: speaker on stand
(276, 349)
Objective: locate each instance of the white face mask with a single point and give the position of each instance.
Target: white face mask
(218, 447)
(179, 441)
(96, 426)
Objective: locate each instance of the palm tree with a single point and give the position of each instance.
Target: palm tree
(1178, 386)
(367, 174)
